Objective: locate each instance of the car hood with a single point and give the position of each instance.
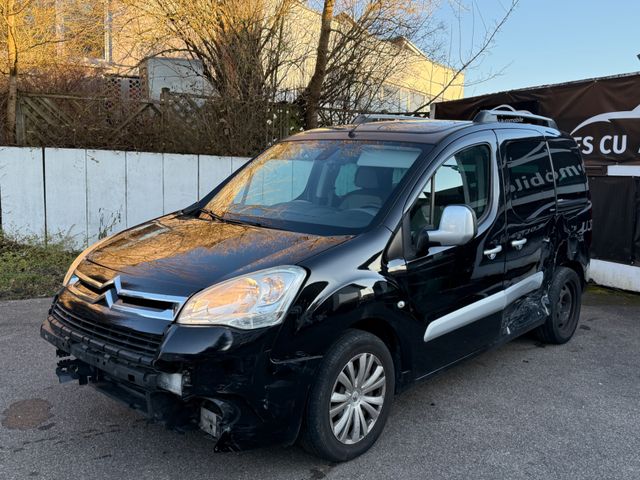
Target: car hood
(181, 254)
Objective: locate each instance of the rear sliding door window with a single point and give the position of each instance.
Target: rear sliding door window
(531, 182)
(571, 180)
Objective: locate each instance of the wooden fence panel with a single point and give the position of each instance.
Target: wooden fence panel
(177, 123)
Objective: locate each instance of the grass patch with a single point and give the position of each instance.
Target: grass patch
(30, 268)
(598, 295)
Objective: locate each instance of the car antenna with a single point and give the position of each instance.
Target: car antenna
(359, 120)
(352, 132)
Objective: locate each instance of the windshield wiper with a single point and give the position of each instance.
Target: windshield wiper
(212, 215)
(219, 218)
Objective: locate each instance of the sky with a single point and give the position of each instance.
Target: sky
(552, 41)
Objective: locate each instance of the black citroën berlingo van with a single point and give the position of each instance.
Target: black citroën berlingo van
(330, 273)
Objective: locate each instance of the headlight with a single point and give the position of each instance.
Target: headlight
(81, 257)
(256, 300)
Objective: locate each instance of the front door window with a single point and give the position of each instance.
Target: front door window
(463, 179)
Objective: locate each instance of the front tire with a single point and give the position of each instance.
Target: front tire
(351, 398)
(565, 295)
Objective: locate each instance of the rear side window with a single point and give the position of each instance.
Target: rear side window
(571, 180)
(531, 184)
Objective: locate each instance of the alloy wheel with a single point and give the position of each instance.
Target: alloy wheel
(357, 398)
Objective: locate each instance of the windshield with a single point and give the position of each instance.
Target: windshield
(325, 187)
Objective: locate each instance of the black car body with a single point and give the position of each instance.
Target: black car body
(390, 274)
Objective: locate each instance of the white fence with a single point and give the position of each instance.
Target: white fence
(85, 194)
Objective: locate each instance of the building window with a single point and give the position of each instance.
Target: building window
(417, 100)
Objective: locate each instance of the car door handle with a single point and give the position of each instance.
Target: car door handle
(518, 244)
(491, 253)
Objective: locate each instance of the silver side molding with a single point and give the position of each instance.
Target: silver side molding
(482, 308)
(523, 287)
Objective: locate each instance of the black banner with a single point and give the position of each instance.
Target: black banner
(615, 237)
(603, 115)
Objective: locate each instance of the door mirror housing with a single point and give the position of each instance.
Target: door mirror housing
(458, 226)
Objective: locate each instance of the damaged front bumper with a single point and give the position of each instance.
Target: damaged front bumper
(238, 396)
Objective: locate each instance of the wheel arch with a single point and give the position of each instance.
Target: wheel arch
(576, 267)
(399, 351)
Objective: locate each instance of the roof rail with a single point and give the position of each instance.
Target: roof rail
(379, 117)
(514, 116)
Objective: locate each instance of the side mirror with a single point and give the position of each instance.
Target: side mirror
(458, 226)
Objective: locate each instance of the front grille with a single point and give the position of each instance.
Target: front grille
(112, 294)
(134, 346)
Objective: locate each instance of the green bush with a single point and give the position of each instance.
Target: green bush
(31, 268)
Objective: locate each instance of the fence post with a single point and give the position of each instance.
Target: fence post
(164, 114)
(20, 122)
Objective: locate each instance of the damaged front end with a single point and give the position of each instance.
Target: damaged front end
(219, 380)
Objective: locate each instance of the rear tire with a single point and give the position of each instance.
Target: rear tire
(565, 295)
(350, 400)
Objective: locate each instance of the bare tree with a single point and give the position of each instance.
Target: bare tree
(12, 62)
(240, 43)
(313, 93)
(248, 50)
(475, 53)
(367, 45)
(39, 35)
(370, 41)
